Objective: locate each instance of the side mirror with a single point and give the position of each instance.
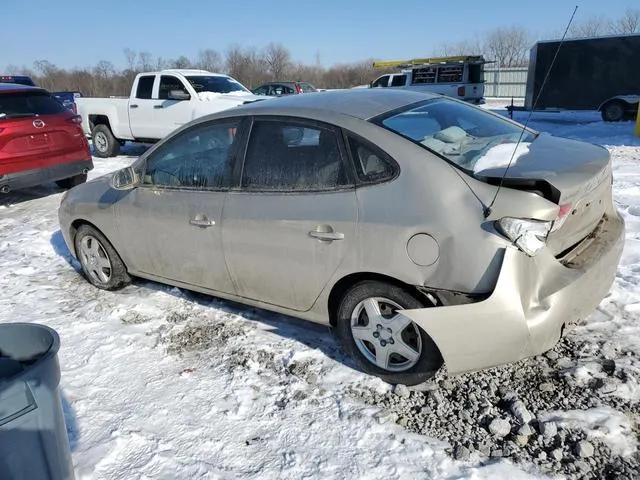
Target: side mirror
(179, 95)
(125, 179)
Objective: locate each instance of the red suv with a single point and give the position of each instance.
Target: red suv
(40, 140)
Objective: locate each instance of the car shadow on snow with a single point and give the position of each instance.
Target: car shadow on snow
(60, 248)
(16, 197)
(315, 336)
(128, 149)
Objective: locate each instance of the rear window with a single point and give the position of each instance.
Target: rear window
(467, 136)
(307, 88)
(19, 104)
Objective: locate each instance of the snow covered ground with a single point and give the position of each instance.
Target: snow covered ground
(161, 383)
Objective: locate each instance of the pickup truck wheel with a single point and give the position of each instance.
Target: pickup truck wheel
(105, 144)
(613, 112)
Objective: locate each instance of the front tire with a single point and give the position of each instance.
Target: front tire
(384, 343)
(71, 182)
(101, 264)
(105, 144)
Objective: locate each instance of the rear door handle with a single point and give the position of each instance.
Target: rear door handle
(133, 106)
(158, 106)
(326, 233)
(201, 220)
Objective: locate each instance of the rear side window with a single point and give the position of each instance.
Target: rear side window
(372, 164)
(145, 87)
(291, 156)
(28, 103)
(398, 80)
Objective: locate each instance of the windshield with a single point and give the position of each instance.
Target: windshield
(466, 136)
(216, 84)
(26, 104)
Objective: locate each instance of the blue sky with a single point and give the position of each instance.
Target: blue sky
(80, 33)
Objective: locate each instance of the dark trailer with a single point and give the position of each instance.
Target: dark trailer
(598, 73)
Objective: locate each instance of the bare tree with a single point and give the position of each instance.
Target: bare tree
(629, 22)
(465, 47)
(591, 27)
(277, 59)
(508, 46)
(145, 61)
(181, 62)
(209, 60)
(130, 56)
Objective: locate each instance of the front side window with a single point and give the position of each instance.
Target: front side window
(381, 82)
(461, 133)
(291, 156)
(167, 84)
(199, 158)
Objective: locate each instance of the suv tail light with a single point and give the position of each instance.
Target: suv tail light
(77, 119)
(298, 88)
(462, 91)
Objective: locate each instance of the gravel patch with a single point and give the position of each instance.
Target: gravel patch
(494, 414)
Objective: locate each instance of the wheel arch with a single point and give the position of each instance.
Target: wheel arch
(75, 226)
(348, 281)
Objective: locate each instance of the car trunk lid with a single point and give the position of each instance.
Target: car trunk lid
(580, 174)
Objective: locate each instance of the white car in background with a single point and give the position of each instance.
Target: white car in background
(159, 103)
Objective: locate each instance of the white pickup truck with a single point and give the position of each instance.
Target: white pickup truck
(159, 103)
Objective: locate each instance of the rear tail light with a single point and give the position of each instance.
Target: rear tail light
(77, 119)
(74, 108)
(563, 214)
(298, 88)
(462, 91)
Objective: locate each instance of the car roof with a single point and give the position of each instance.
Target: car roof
(359, 103)
(17, 87)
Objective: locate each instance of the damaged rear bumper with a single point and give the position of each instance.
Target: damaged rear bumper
(534, 299)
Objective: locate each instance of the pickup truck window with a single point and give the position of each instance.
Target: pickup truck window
(398, 81)
(215, 83)
(381, 82)
(168, 83)
(145, 86)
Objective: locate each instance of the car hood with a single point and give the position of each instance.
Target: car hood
(572, 167)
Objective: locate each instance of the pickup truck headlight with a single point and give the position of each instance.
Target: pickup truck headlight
(530, 236)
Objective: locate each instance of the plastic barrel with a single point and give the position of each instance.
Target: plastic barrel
(33, 437)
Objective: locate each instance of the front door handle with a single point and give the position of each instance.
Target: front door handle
(326, 233)
(201, 220)
(158, 106)
(133, 106)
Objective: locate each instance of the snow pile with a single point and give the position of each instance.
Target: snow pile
(599, 423)
(500, 155)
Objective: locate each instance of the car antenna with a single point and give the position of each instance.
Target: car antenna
(487, 209)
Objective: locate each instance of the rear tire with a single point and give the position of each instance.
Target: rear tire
(367, 342)
(105, 144)
(101, 264)
(71, 182)
(613, 111)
